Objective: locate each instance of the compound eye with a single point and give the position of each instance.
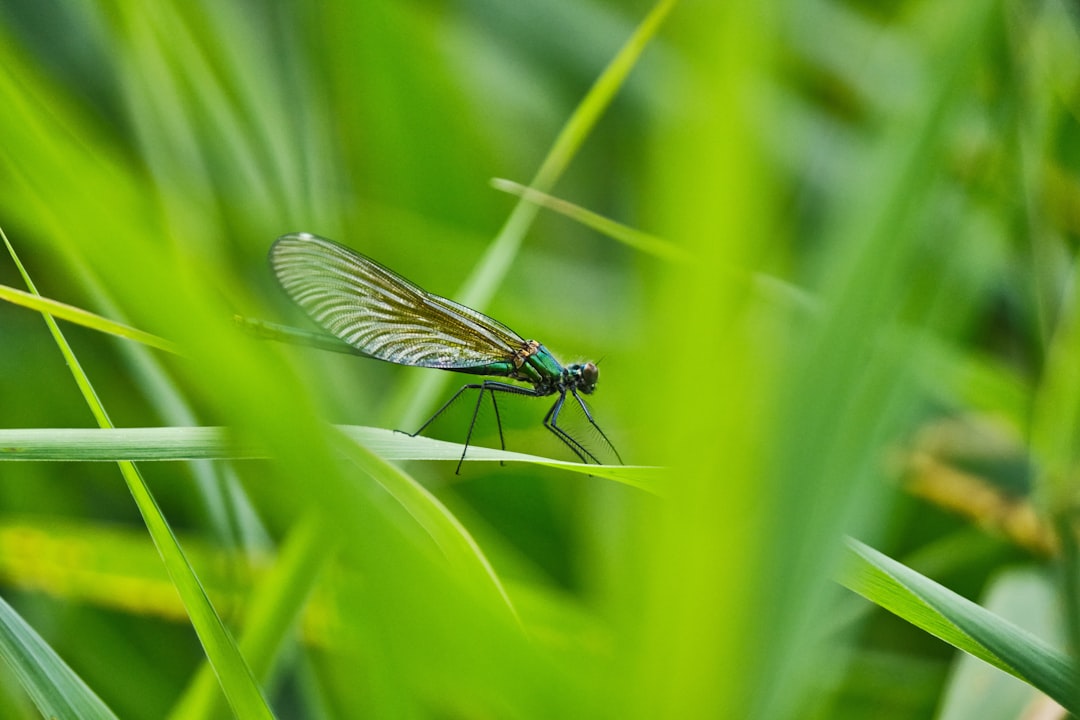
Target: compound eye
(590, 374)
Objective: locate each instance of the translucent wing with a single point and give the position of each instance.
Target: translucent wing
(382, 314)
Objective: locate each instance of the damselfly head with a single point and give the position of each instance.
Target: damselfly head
(584, 376)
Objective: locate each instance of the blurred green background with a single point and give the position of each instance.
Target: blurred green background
(870, 334)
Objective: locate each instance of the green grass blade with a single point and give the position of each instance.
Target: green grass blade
(392, 445)
(1022, 595)
(85, 318)
(459, 547)
(478, 290)
(272, 610)
(782, 292)
(625, 234)
(233, 673)
(958, 621)
(211, 443)
(600, 95)
(53, 686)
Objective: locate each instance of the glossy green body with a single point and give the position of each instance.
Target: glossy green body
(540, 369)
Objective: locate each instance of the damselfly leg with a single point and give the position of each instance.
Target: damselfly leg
(550, 419)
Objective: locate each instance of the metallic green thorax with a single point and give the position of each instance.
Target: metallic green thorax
(540, 367)
(532, 363)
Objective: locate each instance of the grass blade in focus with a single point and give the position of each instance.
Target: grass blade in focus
(958, 621)
(214, 443)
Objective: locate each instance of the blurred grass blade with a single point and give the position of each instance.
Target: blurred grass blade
(1055, 425)
(212, 443)
(271, 612)
(85, 318)
(233, 673)
(1056, 411)
(592, 106)
(772, 287)
(50, 156)
(55, 689)
(460, 549)
(958, 621)
(414, 399)
(605, 226)
(838, 378)
(971, 379)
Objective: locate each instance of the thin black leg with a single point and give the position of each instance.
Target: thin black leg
(445, 405)
(551, 422)
(585, 409)
(498, 424)
(472, 424)
(491, 386)
(551, 419)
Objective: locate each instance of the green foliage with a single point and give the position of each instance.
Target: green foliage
(56, 690)
(824, 252)
(959, 622)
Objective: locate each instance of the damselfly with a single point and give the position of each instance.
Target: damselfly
(377, 313)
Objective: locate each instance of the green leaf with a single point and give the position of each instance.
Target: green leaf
(1025, 596)
(271, 612)
(958, 621)
(461, 550)
(55, 689)
(627, 235)
(83, 317)
(212, 443)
